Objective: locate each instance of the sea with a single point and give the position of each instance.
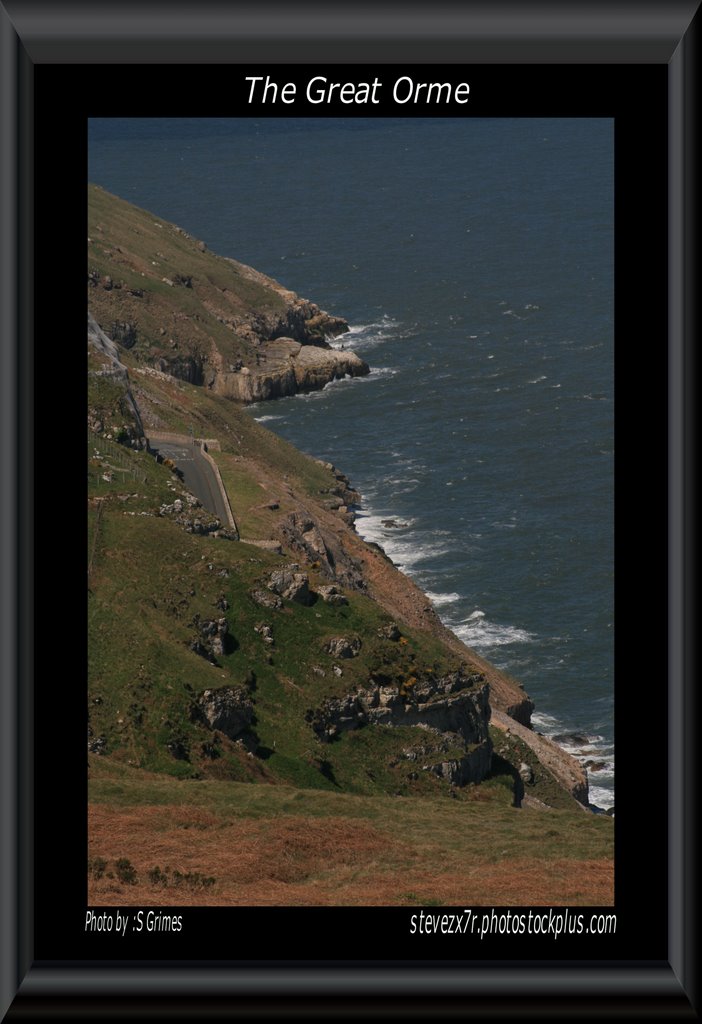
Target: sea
(474, 260)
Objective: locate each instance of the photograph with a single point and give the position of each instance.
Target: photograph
(350, 511)
(313, 683)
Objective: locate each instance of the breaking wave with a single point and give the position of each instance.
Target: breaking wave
(591, 749)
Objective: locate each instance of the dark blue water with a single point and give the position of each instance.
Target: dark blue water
(474, 259)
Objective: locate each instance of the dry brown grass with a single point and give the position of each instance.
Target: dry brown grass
(305, 861)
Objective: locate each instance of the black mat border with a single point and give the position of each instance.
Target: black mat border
(32, 33)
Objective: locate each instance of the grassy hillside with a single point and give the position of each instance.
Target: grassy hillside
(177, 297)
(213, 842)
(149, 583)
(208, 679)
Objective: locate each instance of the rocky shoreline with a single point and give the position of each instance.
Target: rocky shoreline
(285, 367)
(236, 331)
(509, 706)
(165, 308)
(345, 557)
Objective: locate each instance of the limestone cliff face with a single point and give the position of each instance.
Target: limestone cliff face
(299, 319)
(159, 293)
(119, 405)
(283, 367)
(453, 709)
(456, 704)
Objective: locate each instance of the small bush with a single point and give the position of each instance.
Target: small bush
(158, 877)
(191, 879)
(96, 867)
(126, 872)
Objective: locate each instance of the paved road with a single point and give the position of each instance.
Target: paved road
(198, 475)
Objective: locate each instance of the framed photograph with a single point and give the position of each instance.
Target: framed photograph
(390, 411)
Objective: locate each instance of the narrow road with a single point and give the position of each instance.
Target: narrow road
(198, 475)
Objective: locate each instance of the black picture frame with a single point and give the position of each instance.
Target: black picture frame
(33, 34)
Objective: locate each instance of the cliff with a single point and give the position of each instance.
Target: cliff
(316, 641)
(210, 320)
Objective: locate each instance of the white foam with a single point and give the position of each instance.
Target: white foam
(408, 555)
(379, 371)
(267, 419)
(603, 798)
(309, 396)
(442, 599)
(404, 550)
(481, 634)
(367, 336)
(594, 748)
(546, 723)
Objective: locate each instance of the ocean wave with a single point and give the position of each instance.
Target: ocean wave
(267, 418)
(600, 797)
(406, 551)
(310, 396)
(377, 373)
(363, 337)
(591, 749)
(439, 600)
(478, 632)
(341, 382)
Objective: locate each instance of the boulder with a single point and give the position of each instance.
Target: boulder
(265, 632)
(389, 632)
(293, 586)
(227, 709)
(343, 646)
(212, 638)
(124, 333)
(266, 599)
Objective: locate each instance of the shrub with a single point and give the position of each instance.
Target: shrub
(96, 867)
(158, 877)
(126, 872)
(191, 879)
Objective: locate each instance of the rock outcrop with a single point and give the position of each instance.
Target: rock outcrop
(218, 323)
(299, 319)
(128, 426)
(227, 709)
(565, 769)
(343, 646)
(455, 705)
(284, 367)
(212, 638)
(292, 585)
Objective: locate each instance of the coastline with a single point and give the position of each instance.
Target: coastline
(504, 718)
(512, 707)
(229, 324)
